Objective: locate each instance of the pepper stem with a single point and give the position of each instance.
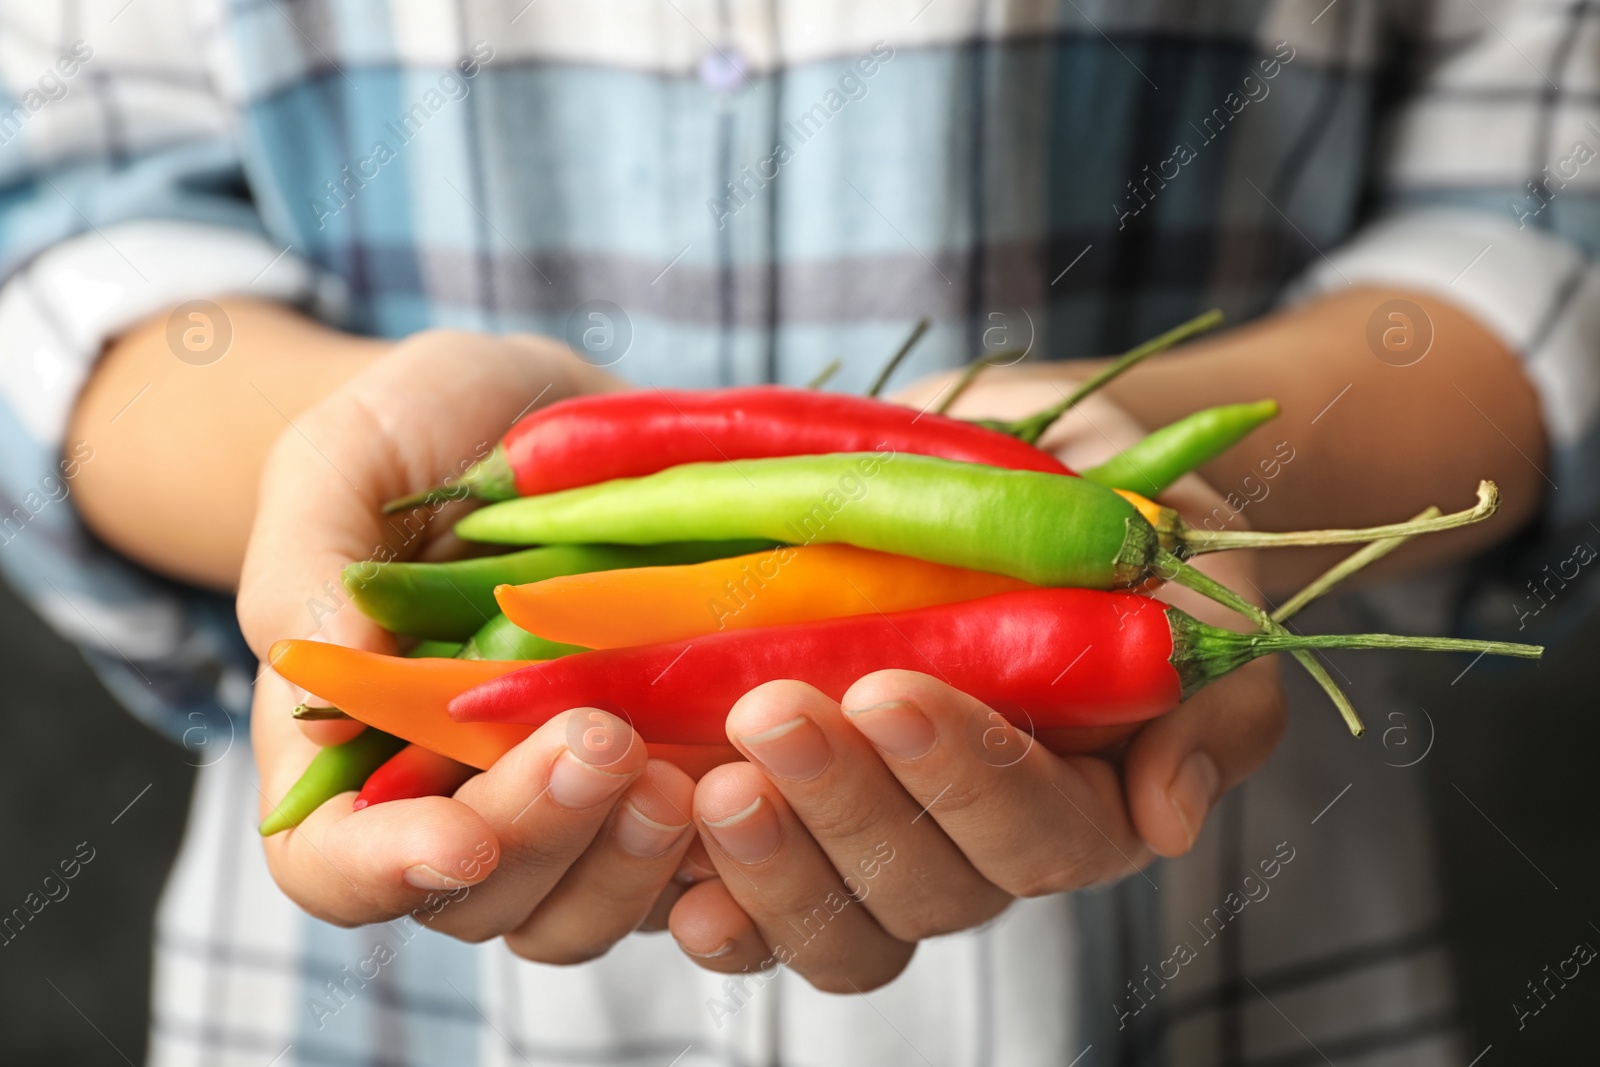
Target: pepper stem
(1343, 569)
(312, 713)
(970, 373)
(491, 478)
(1195, 541)
(1174, 569)
(1202, 653)
(825, 375)
(1289, 642)
(905, 350)
(1033, 427)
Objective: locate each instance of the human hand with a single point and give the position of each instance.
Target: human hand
(565, 844)
(909, 809)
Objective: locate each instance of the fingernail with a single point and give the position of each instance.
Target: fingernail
(897, 728)
(640, 835)
(1193, 791)
(721, 950)
(577, 785)
(696, 865)
(424, 877)
(748, 836)
(796, 751)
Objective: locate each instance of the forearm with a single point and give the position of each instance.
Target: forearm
(178, 448)
(1371, 442)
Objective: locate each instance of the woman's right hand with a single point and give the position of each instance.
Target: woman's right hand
(567, 843)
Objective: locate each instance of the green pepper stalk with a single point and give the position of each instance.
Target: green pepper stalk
(899, 356)
(1032, 428)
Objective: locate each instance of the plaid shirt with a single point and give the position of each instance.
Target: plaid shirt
(742, 190)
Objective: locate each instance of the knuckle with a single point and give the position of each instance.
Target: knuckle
(540, 854)
(1047, 874)
(556, 953)
(859, 980)
(841, 821)
(840, 983)
(473, 933)
(559, 944)
(957, 798)
(923, 924)
(938, 914)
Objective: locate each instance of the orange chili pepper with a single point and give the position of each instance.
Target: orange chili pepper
(403, 697)
(407, 698)
(653, 605)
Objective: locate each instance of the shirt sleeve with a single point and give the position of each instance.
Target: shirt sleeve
(121, 195)
(1487, 188)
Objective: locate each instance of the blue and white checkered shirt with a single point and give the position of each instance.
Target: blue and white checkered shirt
(753, 187)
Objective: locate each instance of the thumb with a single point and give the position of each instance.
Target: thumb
(1179, 766)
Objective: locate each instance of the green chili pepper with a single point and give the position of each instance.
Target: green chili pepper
(1048, 529)
(502, 639)
(1045, 528)
(436, 650)
(451, 601)
(1175, 450)
(334, 770)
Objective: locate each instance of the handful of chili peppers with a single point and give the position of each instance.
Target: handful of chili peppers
(687, 546)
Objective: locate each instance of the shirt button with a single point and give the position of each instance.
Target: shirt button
(724, 69)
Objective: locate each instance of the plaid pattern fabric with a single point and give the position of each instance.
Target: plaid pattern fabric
(753, 187)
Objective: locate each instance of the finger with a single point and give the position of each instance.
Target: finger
(1180, 764)
(349, 867)
(785, 883)
(612, 887)
(406, 422)
(714, 931)
(1030, 822)
(656, 919)
(545, 800)
(352, 867)
(897, 863)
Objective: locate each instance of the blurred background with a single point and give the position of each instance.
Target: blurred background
(74, 984)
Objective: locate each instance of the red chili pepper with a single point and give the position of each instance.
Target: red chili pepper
(1043, 658)
(1052, 657)
(596, 438)
(414, 771)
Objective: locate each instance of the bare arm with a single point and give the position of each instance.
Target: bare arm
(178, 447)
(1372, 442)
